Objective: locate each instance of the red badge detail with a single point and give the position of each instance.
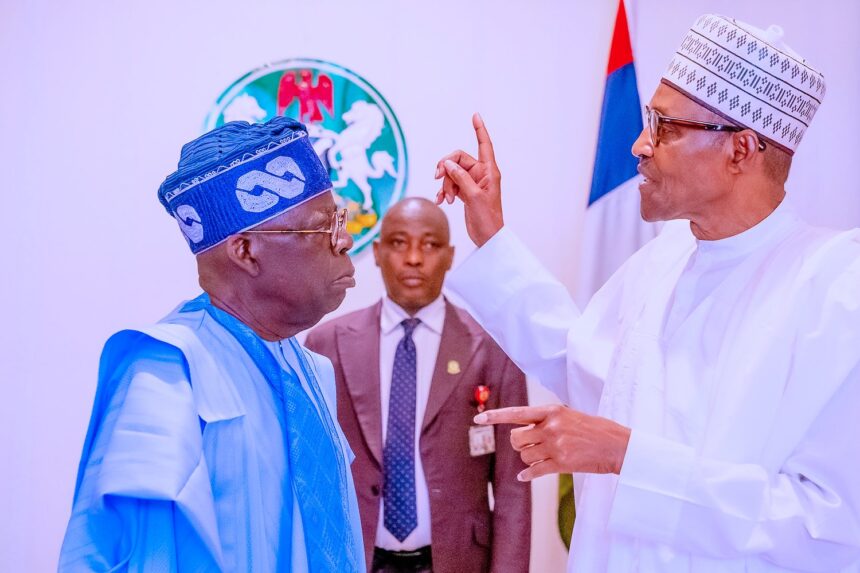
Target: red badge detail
(482, 394)
(297, 85)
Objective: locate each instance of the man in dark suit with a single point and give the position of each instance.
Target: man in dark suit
(412, 371)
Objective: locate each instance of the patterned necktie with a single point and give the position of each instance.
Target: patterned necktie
(398, 457)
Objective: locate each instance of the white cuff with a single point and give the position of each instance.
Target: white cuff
(651, 489)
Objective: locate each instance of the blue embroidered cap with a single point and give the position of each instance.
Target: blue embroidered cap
(240, 175)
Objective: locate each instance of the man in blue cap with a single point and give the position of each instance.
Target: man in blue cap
(214, 444)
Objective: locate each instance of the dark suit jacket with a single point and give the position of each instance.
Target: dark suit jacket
(467, 536)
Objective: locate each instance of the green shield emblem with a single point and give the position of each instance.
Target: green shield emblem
(352, 127)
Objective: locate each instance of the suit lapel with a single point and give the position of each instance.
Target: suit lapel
(456, 349)
(358, 346)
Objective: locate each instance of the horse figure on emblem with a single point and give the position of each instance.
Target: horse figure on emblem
(346, 152)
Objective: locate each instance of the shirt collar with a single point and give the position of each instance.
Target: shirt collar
(432, 316)
(781, 219)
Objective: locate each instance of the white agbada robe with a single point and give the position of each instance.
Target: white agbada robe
(735, 364)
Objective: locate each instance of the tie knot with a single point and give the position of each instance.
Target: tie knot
(409, 325)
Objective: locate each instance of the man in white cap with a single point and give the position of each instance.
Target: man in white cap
(713, 382)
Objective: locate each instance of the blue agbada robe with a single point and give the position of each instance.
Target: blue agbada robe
(210, 449)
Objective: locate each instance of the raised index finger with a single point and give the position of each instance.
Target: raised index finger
(485, 145)
(513, 415)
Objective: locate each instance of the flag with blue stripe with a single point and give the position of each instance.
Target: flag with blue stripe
(613, 229)
(620, 118)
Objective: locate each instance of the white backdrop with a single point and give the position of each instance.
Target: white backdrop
(97, 99)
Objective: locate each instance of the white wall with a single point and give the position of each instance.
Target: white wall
(97, 99)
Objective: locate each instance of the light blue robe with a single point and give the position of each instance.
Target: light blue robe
(184, 463)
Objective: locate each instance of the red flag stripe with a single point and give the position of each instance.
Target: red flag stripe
(621, 53)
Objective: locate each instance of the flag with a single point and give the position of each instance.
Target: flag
(613, 229)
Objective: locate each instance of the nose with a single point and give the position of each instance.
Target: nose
(414, 255)
(344, 242)
(642, 146)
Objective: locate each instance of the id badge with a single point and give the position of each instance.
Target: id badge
(482, 440)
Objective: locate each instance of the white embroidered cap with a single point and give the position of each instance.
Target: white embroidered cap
(749, 76)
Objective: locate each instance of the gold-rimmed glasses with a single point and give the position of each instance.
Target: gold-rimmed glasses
(654, 119)
(337, 229)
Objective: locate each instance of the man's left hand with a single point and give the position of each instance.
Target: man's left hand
(557, 439)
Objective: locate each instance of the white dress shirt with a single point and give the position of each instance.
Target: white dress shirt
(427, 337)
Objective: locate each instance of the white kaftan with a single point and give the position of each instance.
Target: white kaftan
(735, 363)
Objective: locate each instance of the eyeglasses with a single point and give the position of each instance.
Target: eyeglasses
(337, 229)
(654, 119)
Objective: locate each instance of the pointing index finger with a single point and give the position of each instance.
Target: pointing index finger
(523, 415)
(485, 144)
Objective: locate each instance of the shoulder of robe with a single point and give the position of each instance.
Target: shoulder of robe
(128, 349)
(845, 288)
(180, 336)
(149, 342)
(833, 256)
(829, 275)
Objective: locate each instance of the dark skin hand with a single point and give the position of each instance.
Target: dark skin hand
(477, 182)
(557, 439)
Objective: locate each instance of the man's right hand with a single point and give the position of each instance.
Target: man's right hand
(558, 439)
(478, 184)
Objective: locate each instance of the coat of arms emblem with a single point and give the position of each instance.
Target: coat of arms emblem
(352, 127)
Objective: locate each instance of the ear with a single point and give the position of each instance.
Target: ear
(241, 250)
(744, 151)
(376, 252)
